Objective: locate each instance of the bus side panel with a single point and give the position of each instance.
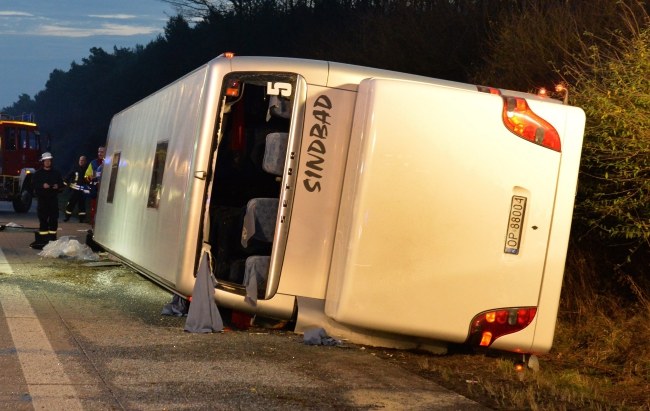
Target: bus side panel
(199, 164)
(326, 134)
(150, 237)
(430, 178)
(560, 231)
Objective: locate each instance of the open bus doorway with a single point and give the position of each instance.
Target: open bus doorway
(253, 133)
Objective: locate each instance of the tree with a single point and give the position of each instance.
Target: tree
(25, 104)
(528, 41)
(194, 9)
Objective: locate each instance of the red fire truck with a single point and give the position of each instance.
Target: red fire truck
(20, 149)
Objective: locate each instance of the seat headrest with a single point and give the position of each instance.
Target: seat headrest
(259, 220)
(275, 153)
(279, 107)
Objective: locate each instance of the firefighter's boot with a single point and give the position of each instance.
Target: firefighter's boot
(40, 240)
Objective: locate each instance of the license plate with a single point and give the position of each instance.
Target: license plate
(515, 225)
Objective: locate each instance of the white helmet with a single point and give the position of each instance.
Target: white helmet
(46, 156)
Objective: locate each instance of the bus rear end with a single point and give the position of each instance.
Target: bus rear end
(455, 215)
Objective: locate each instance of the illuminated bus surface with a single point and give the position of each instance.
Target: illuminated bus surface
(388, 208)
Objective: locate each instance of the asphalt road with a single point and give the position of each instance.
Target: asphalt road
(78, 337)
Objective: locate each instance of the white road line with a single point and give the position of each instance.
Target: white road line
(48, 384)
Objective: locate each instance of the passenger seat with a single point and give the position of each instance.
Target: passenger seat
(261, 215)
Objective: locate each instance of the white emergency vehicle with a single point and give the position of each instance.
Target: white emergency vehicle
(385, 207)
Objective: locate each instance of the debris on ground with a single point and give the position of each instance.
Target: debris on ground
(178, 307)
(15, 227)
(318, 336)
(70, 248)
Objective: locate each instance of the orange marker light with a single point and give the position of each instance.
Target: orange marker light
(233, 89)
(486, 339)
(561, 88)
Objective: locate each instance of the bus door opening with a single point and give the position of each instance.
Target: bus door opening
(253, 133)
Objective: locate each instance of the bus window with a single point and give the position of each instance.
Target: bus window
(111, 184)
(155, 188)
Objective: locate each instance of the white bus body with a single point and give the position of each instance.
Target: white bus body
(407, 209)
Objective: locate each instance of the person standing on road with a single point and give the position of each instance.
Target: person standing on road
(47, 183)
(75, 182)
(93, 176)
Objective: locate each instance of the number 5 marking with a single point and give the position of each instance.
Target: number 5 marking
(279, 89)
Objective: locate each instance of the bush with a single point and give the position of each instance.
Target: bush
(612, 84)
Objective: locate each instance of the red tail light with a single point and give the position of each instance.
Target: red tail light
(490, 325)
(523, 122)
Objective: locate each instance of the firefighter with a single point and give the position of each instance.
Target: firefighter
(75, 182)
(93, 177)
(47, 185)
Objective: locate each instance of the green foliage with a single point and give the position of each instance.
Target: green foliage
(612, 84)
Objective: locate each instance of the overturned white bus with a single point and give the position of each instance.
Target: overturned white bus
(387, 208)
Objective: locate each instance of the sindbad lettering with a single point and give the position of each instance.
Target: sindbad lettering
(316, 150)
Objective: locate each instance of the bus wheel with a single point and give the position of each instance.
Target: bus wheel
(23, 202)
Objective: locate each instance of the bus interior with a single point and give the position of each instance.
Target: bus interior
(244, 194)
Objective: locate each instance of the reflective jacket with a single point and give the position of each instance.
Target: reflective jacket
(76, 175)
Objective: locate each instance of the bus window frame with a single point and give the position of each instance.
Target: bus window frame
(112, 182)
(157, 174)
